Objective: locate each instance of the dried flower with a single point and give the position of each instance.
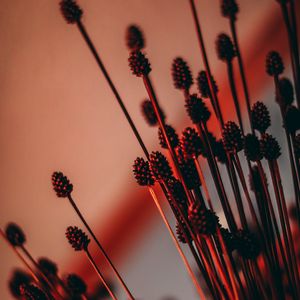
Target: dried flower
(61, 185)
(76, 285)
(134, 38)
(176, 191)
(260, 117)
(274, 64)
(142, 172)
(225, 48)
(71, 11)
(139, 63)
(32, 292)
(15, 235)
(196, 109)
(18, 278)
(182, 236)
(181, 73)
(149, 113)
(191, 143)
(286, 91)
(203, 85)
(190, 174)
(229, 9)
(77, 238)
(47, 266)
(252, 148)
(232, 137)
(269, 147)
(292, 119)
(160, 166)
(172, 136)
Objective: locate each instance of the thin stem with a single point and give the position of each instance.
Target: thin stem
(184, 259)
(103, 281)
(100, 247)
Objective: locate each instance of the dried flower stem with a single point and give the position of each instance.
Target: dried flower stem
(103, 281)
(183, 257)
(100, 247)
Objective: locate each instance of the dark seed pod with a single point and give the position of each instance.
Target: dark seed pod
(260, 117)
(190, 174)
(270, 147)
(149, 113)
(32, 292)
(134, 38)
(191, 143)
(18, 278)
(203, 220)
(71, 11)
(142, 172)
(229, 239)
(182, 236)
(203, 85)
(229, 9)
(176, 191)
(48, 267)
(181, 73)
(297, 146)
(274, 64)
(160, 166)
(292, 119)
(286, 91)
(77, 238)
(15, 235)
(196, 109)
(76, 285)
(232, 137)
(139, 64)
(61, 185)
(225, 48)
(172, 135)
(252, 148)
(247, 244)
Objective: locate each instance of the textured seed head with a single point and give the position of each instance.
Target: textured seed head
(18, 278)
(232, 137)
(229, 9)
(32, 292)
(260, 117)
(225, 48)
(270, 147)
(176, 191)
(182, 233)
(196, 109)
(70, 11)
(134, 38)
(160, 166)
(149, 113)
(15, 234)
(191, 143)
(171, 134)
(292, 119)
(297, 146)
(203, 85)
(139, 64)
(286, 91)
(252, 148)
(48, 267)
(274, 64)
(247, 244)
(203, 220)
(76, 285)
(61, 185)
(142, 172)
(181, 73)
(77, 238)
(190, 174)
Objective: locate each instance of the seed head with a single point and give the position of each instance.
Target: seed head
(139, 64)
(32, 292)
(134, 38)
(286, 91)
(171, 134)
(18, 278)
(270, 147)
(203, 220)
(70, 11)
(191, 143)
(247, 244)
(149, 113)
(232, 137)
(260, 117)
(181, 73)
(196, 109)
(47, 266)
(252, 148)
(176, 191)
(190, 174)
(203, 85)
(142, 172)
(76, 285)
(225, 48)
(182, 233)
(160, 166)
(15, 235)
(274, 64)
(77, 238)
(292, 119)
(61, 185)
(229, 9)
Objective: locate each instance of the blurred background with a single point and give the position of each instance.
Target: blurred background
(58, 114)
